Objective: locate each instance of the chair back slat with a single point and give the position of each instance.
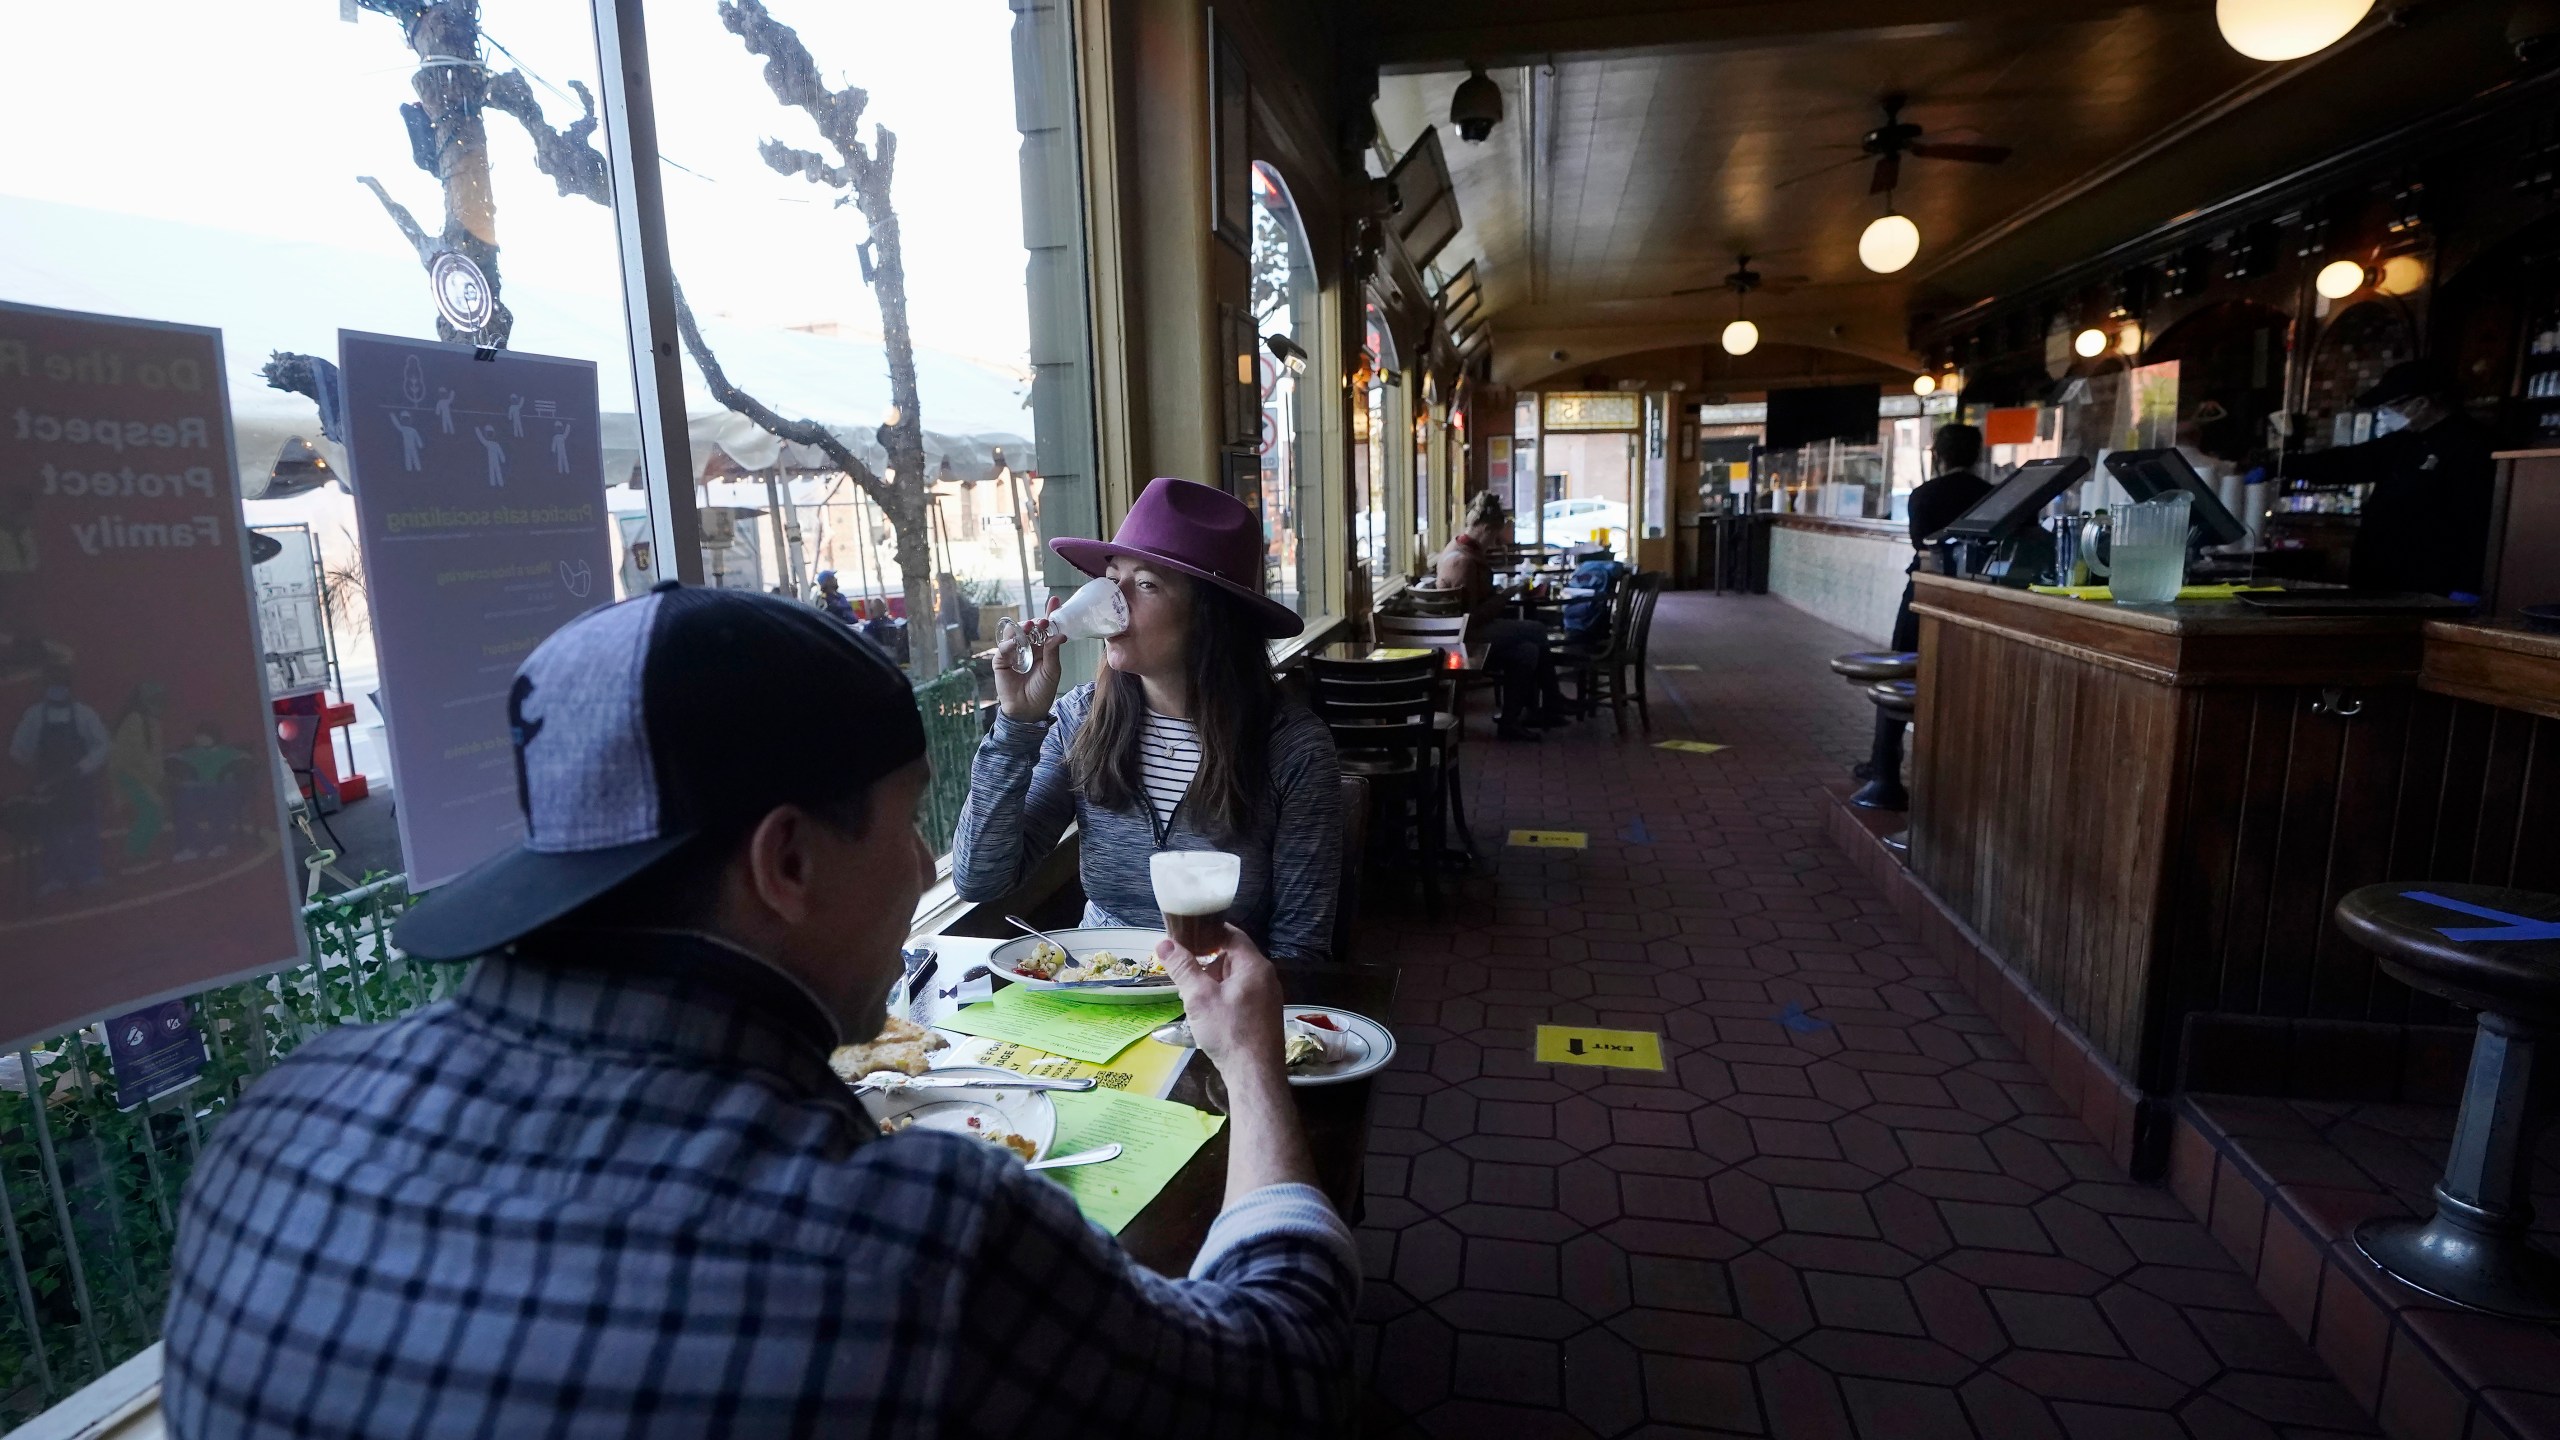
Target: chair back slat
(1446, 633)
(1377, 705)
(1648, 585)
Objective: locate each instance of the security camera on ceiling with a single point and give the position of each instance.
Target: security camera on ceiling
(1476, 107)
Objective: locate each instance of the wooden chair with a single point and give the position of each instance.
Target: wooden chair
(1432, 601)
(1616, 672)
(1382, 715)
(1447, 635)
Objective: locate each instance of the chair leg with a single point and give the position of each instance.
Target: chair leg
(1426, 814)
(1457, 802)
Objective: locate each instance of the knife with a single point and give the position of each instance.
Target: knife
(966, 1082)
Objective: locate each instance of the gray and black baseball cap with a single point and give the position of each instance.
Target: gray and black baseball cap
(641, 726)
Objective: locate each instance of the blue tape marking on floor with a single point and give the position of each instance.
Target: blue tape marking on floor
(1636, 834)
(1794, 1018)
(2512, 927)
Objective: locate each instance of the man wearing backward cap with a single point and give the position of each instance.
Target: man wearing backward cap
(611, 1185)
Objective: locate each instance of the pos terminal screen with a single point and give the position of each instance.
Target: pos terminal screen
(2014, 505)
(2145, 474)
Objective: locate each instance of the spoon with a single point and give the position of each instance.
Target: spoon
(1028, 928)
(1082, 1157)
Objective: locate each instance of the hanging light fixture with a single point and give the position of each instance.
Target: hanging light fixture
(2129, 339)
(2286, 29)
(2089, 344)
(1924, 384)
(1741, 338)
(1890, 241)
(2339, 279)
(1951, 382)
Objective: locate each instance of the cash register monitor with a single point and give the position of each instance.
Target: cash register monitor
(2014, 505)
(2145, 474)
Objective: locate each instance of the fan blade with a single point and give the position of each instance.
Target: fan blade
(1784, 284)
(1697, 290)
(1825, 170)
(1888, 174)
(1954, 150)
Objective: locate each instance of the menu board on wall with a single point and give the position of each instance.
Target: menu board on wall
(480, 502)
(141, 852)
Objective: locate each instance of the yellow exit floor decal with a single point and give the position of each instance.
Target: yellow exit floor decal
(1675, 667)
(1688, 747)
(1581, 1045)
(1551, 839)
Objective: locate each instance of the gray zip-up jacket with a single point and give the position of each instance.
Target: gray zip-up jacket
(1021, 798)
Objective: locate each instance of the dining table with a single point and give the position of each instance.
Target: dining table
(1167, 1234)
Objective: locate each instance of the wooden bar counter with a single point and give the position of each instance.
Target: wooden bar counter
(2148, 813)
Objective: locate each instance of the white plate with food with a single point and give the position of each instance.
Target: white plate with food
(1093, 958)
(1325, 1046)
(1022, 1121)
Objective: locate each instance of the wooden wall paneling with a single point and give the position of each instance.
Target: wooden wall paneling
(2258, 820)
(2207, 857)
(2421, 798)
(2345, 981)
(2466, 766)
(2135, 873)
(2296, 911)
(2536, 863)
(2078, 827)
(2501, 796)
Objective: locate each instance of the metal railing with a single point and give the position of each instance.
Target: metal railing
(89, 1193)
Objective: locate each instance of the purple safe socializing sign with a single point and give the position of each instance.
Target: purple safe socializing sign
(480, 498)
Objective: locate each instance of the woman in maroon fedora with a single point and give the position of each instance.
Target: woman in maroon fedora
(1181, 742)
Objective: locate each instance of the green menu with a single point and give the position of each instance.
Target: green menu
(1157, 1138)
(1062, 1027)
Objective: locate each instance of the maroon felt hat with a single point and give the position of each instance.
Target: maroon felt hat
(1201, 531)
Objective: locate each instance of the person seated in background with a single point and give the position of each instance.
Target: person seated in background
(831, 599)
(1515, 649)
(612, 1185)
(1937, 504)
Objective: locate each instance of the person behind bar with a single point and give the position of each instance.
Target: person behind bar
(611, 1185)
(1936, 505)
(1182, 740)
(2425, 523)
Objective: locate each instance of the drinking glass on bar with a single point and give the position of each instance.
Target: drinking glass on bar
(1194, 889)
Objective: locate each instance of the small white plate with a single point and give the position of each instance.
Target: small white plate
(1372, 1046)
(1027, 1113)
(1128, 942)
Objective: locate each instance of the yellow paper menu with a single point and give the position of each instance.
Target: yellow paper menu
(1157, 1137)
(1094, 1033)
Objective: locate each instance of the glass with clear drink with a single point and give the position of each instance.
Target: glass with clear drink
(1194, 889)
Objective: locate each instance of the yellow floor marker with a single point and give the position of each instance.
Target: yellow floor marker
(1675, 667)
(1688, 747)
(1583, 1045)
(1551, 839)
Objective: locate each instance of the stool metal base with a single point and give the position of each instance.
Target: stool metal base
(1881, 794)
(2492, 1271)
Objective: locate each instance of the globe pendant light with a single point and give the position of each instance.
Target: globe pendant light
(1924, 384)
(1741, 338)
(2089, 344)
(1890, 242)
(2286, 29)
(2339, 279)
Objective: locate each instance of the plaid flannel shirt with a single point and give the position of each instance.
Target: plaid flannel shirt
(616, 1191)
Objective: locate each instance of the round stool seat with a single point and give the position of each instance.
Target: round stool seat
(1868, 666)
(1895, 697)
(2479, 946)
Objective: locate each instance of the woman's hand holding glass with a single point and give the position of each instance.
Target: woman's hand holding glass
(1020, 695)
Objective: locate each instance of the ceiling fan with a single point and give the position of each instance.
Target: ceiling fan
(1744, 280)
(1897, 137)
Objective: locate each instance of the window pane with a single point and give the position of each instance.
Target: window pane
(1285, 307)
(262, 175)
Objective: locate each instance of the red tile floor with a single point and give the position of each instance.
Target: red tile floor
(1847, 1207)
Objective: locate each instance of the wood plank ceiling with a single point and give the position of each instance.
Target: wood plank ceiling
(1621, 175)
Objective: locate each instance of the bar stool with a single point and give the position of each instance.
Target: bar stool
(1866, 667)
(1894, 702)
(2496, 951)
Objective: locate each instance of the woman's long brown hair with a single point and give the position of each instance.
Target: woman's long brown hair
(1233, 698)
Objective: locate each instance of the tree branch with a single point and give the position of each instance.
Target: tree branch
(568, 156)
(291, 373)
(766, 418)
(793, 74)
(419, 240)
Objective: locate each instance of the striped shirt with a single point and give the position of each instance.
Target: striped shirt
(1168, 758)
